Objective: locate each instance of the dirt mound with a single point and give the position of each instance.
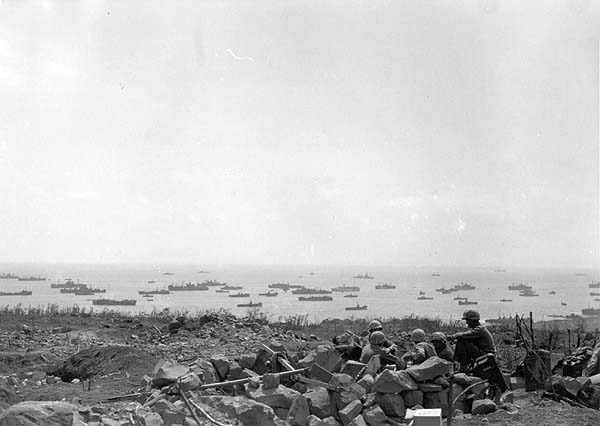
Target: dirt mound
(101, 361)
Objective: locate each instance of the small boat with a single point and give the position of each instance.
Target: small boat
(528, 293)
(68, 284)
(232, 287)
(445, 290)
(563, 304)
(366, 276)
(168, 273)
(269, 293)
(213, 283)
(203, 272)
(148, 295)
(594, 293)
(187, 287)
(385, 287)
(594, 284)
(8, 277)
(240, 294)
(435, 275)
(466, 302)
(113, 302)
(250, 305)
(88, 291)
(552, 292)
(350, 295)
(151, 282)
(519, 287)
(311, 291)
(346, 288)
(315, 299)
(424, 298)
(221, 291)
(506, 300)
(421, 293)
(16, 293)
(461, 298)
(153, 292)
(285, 286)
(463, 286)
(31, 278)
(591, 311)
(357, 308)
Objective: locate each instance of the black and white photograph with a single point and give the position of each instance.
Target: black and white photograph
(299, 213)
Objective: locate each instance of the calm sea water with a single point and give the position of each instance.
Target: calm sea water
(124, 281)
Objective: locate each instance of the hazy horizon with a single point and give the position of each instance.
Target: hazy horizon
(300, 133)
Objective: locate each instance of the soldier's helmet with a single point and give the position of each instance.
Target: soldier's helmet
(377, 338)
(417, 335)
(438, 336)
(375, 326)
(471, 315)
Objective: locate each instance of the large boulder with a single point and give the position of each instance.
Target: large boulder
(280, 396)
(373, 365)
(168, 373)
(358, 421)
(352, 368)
(429, 369)
(299, 411)
(248, 412)
(436, 400)
(393, 381)
(392, 404)
(366, 382)
(247, 361)
(47, 413)
(483, 406)
(328, 421)
(350, 411)
(319, 402)
(412, 398)
(222, 365)
(375, 416)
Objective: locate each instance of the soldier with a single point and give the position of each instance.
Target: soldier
(474, 342)
(422, 350)
(440, 343)
(375, 346)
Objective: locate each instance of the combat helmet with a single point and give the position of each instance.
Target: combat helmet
(471, 315)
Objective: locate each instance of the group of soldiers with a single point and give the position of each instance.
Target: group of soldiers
(469, 345)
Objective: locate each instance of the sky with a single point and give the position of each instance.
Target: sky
(300, 132)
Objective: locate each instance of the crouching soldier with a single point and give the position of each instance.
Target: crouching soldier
(474, 342)
(422, 349)
(440, 343)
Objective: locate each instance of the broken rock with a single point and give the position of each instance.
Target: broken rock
(280, 396)
(392, 404)
(319, 402)
(350, 411)
(429, 369)
(299, 411)
(375, 416)
(47, 413)
(483, 406)
(391, 382)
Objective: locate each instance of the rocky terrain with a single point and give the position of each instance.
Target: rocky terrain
(218, 369)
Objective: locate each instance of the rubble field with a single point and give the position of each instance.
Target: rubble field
(221, 370)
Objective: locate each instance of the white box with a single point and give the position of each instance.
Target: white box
(428, 417)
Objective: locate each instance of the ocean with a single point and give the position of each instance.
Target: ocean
(124, 282)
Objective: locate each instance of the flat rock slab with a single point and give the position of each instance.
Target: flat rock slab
(429, 369)
(391, 382)
(280, 396)
(245, 410)
(483, 406)
(47, 413)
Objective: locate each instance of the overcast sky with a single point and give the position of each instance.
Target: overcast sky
(300, 132)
